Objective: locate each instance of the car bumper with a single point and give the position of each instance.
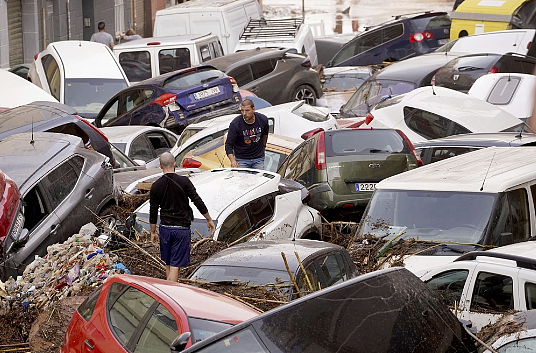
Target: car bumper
(323, 198)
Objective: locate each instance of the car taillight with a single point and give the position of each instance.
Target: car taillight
(92, 126)
(311, 133)
(235, 85)
(320, 152)
(165, 99)
(493, 70)
(417, 157)
(35, 56)
(420, 36)
(153, 43)
(306, 62)
(369, 118)
(433, 80)
(190, 163)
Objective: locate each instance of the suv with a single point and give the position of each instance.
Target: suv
(394, 40)
(277, 75)
(341, 167)
(460, 74)
(486, 284)
(173, 100)
(62, 186)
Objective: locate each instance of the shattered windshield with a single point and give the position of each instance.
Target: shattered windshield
(436, 216)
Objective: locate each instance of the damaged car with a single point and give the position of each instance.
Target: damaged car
(62, 184)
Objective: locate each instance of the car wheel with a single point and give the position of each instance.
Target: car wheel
(306, 93)
(107, 222)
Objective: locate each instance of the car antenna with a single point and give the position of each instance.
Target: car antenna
(32, 140)
(487, 171)
(433, 90)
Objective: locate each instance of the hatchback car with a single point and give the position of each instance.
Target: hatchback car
(53, 117)
(340, 168)
(277, 75)
(427, 113)
(143, 144)
(63, 185)
(131, 313)
(81, 74)
(260, 263)
(460, 73)
(483, 285)
(402, 37)
(173, 100)
(212, 154)
(249, 201)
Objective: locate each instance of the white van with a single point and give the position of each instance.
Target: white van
(225, 18)
(149, 57)
(277, 33)
(474, 201)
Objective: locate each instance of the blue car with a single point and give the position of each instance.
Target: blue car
(173, 100)
(404, 36)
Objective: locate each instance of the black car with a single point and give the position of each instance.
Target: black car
(460, 73)
(384, 311)
(276, 75)
(53, 117)
(402, 37)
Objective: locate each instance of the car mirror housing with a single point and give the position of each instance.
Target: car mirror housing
(140, 162)
(180, 342)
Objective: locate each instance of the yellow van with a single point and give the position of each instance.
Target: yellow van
(479, 16)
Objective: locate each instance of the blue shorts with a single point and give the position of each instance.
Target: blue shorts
(175, 245)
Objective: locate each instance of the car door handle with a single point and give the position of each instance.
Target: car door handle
(88, 343)
(54, 229)
(254, 89)
(89, 193)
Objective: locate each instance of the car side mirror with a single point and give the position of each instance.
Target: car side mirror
(140, 162)
(180, 342)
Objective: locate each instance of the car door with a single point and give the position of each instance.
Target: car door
(160, 142)
(267, 81)
(452, 284)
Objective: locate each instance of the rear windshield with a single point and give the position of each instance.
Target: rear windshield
(428, 23)
(88, 95)
(473, 63)
(209, 146)
(354, 142)
(311, 113)
(193, 78)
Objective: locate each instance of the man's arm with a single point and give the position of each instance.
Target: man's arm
(229, 144)
(210, 223)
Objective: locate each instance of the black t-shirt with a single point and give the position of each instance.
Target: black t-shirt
(246, 140)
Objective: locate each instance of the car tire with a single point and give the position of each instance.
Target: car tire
(306, 93)
(107, 221)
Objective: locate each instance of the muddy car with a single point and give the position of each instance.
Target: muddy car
(62, 186)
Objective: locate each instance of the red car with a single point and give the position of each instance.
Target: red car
(10, 222)
(142, 314)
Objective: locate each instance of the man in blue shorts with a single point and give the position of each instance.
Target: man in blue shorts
(170, 194)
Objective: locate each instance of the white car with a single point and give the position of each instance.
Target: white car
(483, 285)
(79, 73)
(17, 91)
(432, 112)
(242, 200)
(143, 144)
(288, 119)
(511, 92)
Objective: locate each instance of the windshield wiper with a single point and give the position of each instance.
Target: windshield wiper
(469, 68)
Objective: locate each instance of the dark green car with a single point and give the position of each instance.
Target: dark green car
(340, 168)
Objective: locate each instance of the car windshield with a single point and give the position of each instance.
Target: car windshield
(88, 95)
(202, 328)
(186, 134)
(193, 78)
(311, 113)
(343, 82)
(421, 24)
(421, 215)
(372, 92)
(473, 62)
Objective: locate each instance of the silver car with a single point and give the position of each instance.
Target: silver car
(62, 186)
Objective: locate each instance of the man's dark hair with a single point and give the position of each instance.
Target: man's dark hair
(101, 26)
(246, 102)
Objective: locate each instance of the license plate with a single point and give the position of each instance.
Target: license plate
(207, 93)
(442, 41)
(365, 187)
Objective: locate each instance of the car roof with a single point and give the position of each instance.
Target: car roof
(228, 61)
(117, 134)
(196, 302)
(483, 139)
(267, 253)
(488, 170)
(20, 91)
(404, 18)
(26, 153)
(84, 59)
(283, 141)
(525, 249)
(162, 41)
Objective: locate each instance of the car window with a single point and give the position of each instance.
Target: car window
(198, 143)
(369, 41)
(301, 160)
(234, 226)
(173, 59)
(242, 75)
(204, 53)
(126, 309)
(530, 295)
(159, 332)
(35, 208)
(217, 49)
(392, 32)
(62, 180)
(346, 52)
(260, 210)
(88, 95)
(492, 292)
(523, 345)
(354, 142)
(311, 113)
(273, 160)
(135, 98)
(111, 113)
(193, 78)
(52, 74)
(332, 268)
(243, 341)
(503, 91)
(371, 92)
(524, 16)
(71, 129)
(141, 149)
(202, 329)
(171, 138)
(271, 125)
(428, 23)
(511, 222)
(449, 285)
(136, 65)
(159, 142)
(262, 68)
(310, 277)
(426, 124)
(88, 305)
(440, 153)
